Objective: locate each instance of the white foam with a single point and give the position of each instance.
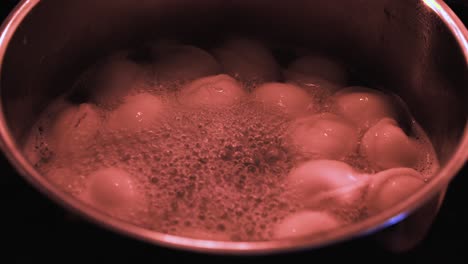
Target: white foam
(221, 173)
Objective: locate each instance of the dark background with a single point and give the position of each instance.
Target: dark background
(33, 229)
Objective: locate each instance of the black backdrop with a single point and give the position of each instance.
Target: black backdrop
(33, 229)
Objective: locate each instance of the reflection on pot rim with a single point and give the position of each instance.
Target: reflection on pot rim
(390, 217)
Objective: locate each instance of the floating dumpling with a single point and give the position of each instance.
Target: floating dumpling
(318, 87)
(106, 82)
(385, 145)
(248, 60)
(324, 135)
(136, 112)
(315, 67)
(182, 63)
(389, 187)
(305, 223)
(318, 177)
(213, 91)
(112, 190)
(288, 98)
(74, 129)
(364, 106)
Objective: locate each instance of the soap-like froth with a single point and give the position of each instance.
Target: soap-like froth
(112, 190)
(385, 145)
(234, 174)
(324, 135)
(213, 91)
(65, 179)
(136, 112)
(203, 169)
(389, 187)
(305, 223)
(248, 60)
(320, 67)
(182, 63)
(288, 98)
(364, 106)
(316, 176)
(74, 129)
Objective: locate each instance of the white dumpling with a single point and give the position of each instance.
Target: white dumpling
(324, 135)
(110, 79)
(317, 177)
(112, 190)
(385, 145)
(389, 187)
(74, 129)
(320, 88)
(213, 91)
(248, 60)
(320, 67)
(181, 63)
(305, 223)
(288, 98)
(137, 112)
(364, 106)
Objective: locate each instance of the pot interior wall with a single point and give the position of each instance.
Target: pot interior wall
(399, 45)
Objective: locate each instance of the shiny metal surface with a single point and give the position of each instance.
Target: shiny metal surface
(417, 49)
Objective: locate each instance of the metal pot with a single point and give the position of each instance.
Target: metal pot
(417, 49)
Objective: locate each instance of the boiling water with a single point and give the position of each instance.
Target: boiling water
(221, 169)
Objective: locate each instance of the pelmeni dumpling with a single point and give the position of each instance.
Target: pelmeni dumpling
(136, 112)
(324, 135)
(364, 106)
(320, 67)
(389, 187)
(181, 63)
(317, 177)
(112, 190)
(111, 79)
(213, 91)
(385, 145)
(288, 98)
(320, 88)
(74, 129)
(248, 60)
(305, 223)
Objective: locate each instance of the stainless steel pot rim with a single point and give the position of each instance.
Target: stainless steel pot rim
(365, 227)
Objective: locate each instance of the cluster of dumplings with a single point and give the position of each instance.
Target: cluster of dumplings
(354, 151)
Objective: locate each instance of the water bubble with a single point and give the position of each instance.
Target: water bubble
(222, 170)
